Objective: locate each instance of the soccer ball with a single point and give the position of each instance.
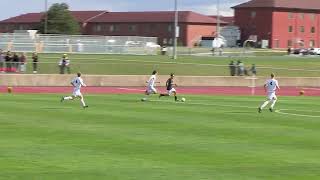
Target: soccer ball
(301, 93)
(183, 99)
(144, 99)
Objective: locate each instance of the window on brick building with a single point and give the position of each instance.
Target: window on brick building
(21, 27)
(313, 29)
(312, 43)
(276, 43)
(289, 43)
(170, 28)
(312, 17)
(98, 28)
(253, 14)
(113, 28)
(290, 29)
(301, 15)
(132, 27)
(290, 15)
(302, 29)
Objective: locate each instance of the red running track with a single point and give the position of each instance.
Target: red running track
(285, 91)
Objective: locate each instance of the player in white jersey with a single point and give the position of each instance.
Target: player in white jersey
(270, 88)
(151, 85)
(77, 83)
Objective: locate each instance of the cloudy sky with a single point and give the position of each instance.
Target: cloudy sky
(15, 7)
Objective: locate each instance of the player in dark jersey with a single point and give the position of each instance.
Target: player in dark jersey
(170, 90)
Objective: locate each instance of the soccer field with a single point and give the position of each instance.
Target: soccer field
(119, 137)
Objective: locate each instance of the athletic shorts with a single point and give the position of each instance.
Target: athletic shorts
(172, 90)
(77, 93)
(271, 96)
(151, 90)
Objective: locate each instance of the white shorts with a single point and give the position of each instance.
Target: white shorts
(271, 96)
(77, 93)
(172, 90)
(151, 90)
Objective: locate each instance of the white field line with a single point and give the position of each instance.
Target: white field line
(249, 107)
(294, 114)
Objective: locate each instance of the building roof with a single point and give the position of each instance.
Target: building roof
(81, 16)
(287, 4)
(154, 16)
(123, 17)
(225, 19)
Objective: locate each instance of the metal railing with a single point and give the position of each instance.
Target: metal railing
(81, 44)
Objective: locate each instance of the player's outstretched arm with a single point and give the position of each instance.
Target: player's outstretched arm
(277, 85)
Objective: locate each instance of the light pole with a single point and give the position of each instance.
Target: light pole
(46, 17)
(218, 18)
(176, 30)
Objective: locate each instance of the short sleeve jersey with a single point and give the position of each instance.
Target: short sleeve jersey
(152, 81)
(271, 85)
(78, 83)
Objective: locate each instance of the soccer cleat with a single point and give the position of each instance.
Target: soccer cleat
(176, 98)
(62, 99)
(259, 110)
(84, 107)
(270, 109)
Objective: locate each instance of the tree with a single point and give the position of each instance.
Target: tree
(59, 20)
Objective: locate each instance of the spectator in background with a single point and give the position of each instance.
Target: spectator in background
(35, 60)
(237, 68)
(68, 64)
(253, 70)
(23, 62)
(232, 67)
(164, 50)
(2, 61)
(15, 62)
(64, 63)
(289, 51)
(241, 68)
(8, 60)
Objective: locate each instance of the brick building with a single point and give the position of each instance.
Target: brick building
(283, 23)
(149, 24)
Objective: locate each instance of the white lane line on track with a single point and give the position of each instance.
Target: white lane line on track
(317, 89)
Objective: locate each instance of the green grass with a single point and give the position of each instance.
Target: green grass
(119, 137)
(185, 65)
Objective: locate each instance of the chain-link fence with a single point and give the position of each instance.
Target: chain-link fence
(24, 42)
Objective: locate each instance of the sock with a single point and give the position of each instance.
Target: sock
(82, 102)
(264, 104)
(273, 103)
(68, 98)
